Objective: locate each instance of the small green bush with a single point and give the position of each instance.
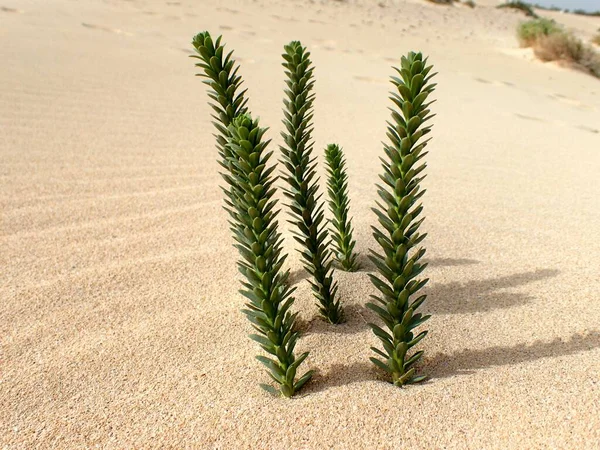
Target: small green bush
(470, 3)
(532, 30)
(521, 6)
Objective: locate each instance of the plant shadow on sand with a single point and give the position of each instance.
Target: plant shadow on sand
(454, 298)
(447, 298)
(465, 362)
(365, 265)
(468, 361)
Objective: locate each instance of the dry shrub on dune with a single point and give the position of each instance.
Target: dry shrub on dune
(550, 42)
(568, 48)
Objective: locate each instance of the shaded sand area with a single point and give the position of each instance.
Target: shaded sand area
(120, 321)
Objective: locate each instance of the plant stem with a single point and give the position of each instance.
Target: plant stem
(306, 212)
(398, 216)
(337, 187)
(259, 243)
(251, 205)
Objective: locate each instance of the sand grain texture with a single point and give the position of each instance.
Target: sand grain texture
(119, 312)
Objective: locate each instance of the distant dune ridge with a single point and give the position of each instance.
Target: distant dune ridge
(120, 322)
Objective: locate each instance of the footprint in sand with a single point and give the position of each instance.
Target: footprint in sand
(570, 101)
(591, 130)
(245, 60)
(371, 79)
(11, 10)
(494, 82)
(103, 28)
(536, 119)
(285, 19)
(242, 32)
(330, 44)
(228, 10)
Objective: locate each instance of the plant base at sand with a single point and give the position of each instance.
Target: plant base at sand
(399, 214)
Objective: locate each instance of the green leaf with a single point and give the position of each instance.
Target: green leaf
(404, 379)
(380, 364)
(418, 379)
(380, 333)
(379, 352)
(416, 340)
(261, 340)
(413, 359)
(418, 320)
(303, 380)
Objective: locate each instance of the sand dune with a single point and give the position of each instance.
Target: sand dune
(120, 321)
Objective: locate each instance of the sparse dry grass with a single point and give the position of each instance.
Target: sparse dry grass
(596, 39)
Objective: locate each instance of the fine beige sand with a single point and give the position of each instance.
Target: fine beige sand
(120, 322)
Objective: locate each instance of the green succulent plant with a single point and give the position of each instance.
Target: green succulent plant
(305, 210)
(251, 204)
(399, 216)
(260, 245)
(339, 203)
